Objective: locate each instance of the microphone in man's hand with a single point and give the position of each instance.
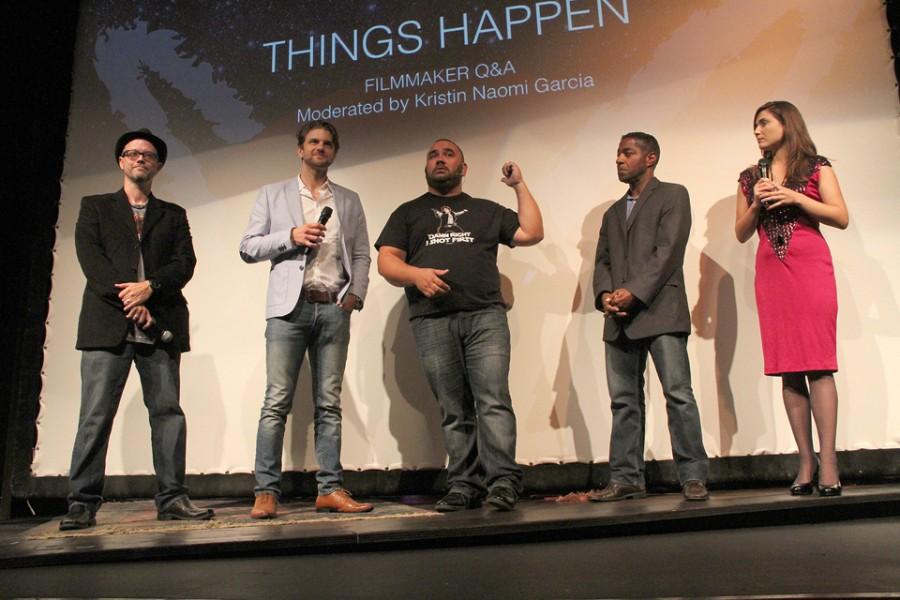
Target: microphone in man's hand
(157, 333)
(323, 218)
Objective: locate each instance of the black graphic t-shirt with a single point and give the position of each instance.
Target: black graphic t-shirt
(459, 233)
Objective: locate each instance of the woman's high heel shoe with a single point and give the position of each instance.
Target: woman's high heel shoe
(830, 491)
(806, 489)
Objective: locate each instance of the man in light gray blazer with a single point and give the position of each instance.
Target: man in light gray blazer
(639, 286)
(318, 277)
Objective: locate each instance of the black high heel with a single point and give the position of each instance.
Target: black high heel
(831, 491)
(806, 489)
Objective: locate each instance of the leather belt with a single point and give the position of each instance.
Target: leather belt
(318, 296)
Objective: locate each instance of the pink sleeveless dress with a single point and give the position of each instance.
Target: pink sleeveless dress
(796, 296)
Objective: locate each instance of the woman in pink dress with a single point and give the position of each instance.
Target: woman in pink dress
(785, 198)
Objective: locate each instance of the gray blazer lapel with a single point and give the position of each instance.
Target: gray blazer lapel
(641, 201)
(340, 204)
(292, 197)
(620, 209)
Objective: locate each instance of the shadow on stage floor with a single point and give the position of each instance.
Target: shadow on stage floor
(130, 531)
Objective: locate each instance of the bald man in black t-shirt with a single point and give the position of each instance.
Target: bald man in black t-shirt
(442, 249)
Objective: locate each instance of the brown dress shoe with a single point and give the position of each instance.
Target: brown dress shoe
(616, 490)
(694, 489)
(340, 501)
(265, 506)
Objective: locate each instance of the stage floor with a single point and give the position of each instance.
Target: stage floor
(128, 531)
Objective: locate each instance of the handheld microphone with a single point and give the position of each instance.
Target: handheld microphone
(163, 336)
(323, 218)
(765, 166)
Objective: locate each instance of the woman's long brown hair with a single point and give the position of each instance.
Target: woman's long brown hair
(797, 142)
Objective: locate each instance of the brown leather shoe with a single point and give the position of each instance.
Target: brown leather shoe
(616, 490)
(265, 506)
(694, 489)
(340, 501)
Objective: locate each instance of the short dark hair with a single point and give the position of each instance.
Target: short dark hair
(310, 125)
(645, 141)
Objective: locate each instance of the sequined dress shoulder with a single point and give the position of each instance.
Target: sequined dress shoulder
(779, 224)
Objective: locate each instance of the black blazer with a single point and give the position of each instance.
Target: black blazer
(107, 246)
(645, 255)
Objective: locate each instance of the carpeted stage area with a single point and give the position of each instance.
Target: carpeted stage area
(129, 530)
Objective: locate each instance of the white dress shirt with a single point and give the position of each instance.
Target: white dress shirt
(324, 270)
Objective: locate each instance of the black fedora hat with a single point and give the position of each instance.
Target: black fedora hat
(142, 134)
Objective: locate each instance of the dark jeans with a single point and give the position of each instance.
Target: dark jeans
(103, 376)
(466, 360)
(626, 361)
(324, 331)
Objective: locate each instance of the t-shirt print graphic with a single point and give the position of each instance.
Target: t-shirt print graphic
(449, 230)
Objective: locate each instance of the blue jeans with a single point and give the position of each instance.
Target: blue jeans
(324, 331)
(626, 361)
(103, 376)
(466, 360)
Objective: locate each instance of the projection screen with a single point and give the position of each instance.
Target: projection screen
(549, 84)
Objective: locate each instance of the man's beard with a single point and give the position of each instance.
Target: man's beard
(140, 178)
(446, 182)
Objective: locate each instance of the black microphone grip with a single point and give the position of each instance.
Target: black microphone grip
(323, 218)
(765, 167)
(157, 333)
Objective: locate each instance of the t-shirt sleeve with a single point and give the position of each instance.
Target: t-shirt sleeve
(395, 233)
(509, 224)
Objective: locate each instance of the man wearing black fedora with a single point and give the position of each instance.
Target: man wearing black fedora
(136, 253)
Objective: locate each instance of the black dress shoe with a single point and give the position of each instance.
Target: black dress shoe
(502, 498)
(455, 501)
(182, 509)
(805, 489)
(802, 489)
(831, 491)
(617, 490)
(78, 517)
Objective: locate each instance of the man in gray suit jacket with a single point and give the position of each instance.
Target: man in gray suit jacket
(318, 276)
(639, 286)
